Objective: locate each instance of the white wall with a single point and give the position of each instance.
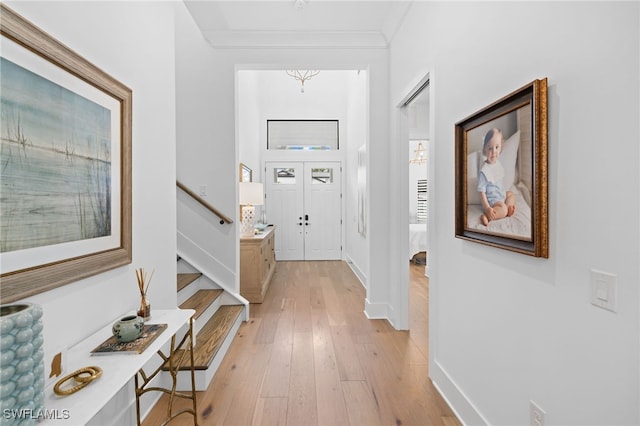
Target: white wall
(325, 97)
(248, 119)
(133, 42)
(272, 94)
(507, 328)
(206, 154)
(357, 248)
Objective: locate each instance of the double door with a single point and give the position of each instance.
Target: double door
(304, 201)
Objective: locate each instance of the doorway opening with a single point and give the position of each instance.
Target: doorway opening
(418, 192)
(412, 152)
(418, 185)
(288, 139)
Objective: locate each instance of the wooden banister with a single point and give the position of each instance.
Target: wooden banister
(223, 218)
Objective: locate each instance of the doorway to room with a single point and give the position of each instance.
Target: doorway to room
(412, 151)
(418, 195)
(418, 185)
(304, 202)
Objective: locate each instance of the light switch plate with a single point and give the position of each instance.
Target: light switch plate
(603, 290)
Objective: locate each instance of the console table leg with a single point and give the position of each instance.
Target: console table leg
(173, 363)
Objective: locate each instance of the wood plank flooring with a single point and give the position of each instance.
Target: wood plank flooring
(309, 356)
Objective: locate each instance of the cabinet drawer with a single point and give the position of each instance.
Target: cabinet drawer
(257, 265)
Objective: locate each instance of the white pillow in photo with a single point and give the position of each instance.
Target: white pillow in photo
(508, 158)
(473, 162)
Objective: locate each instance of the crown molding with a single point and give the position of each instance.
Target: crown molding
(294, 39)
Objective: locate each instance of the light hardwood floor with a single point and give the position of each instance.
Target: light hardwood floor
(309, 356)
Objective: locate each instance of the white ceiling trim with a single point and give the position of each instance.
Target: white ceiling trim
(296, 39)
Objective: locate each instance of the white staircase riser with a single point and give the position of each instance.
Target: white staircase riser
(185, 267)
(202, 320)
(189, 291)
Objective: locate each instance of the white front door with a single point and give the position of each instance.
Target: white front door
(304, 202)
(322, 204)
(285, 206)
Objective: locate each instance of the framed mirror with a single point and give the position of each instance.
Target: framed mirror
(246, 174)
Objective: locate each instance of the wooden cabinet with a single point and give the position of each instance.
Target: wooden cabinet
(257, 264)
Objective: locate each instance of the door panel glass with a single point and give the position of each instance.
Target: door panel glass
(321, 176)
(285, 176)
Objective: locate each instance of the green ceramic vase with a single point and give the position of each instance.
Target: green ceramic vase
(128, 329)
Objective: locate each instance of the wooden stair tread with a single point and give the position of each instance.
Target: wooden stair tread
(201, 300)
(186, 279)
(212, 335)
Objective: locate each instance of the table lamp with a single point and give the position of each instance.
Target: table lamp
(251, 194)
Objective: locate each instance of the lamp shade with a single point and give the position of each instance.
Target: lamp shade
(251, 193)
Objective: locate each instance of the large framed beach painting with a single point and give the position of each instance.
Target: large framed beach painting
(65, 169)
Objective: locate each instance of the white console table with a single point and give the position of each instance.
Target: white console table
(117, 369)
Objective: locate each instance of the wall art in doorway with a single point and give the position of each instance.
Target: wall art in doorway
(362, 190)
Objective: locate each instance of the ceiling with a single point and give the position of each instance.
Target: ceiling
(299, 23)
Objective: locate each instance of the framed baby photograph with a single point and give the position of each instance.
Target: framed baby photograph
(501, 173)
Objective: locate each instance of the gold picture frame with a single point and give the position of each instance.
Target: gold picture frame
(77, 260)
(246, 174)
(516, 125)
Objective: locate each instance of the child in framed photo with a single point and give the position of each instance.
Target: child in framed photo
(496, 202)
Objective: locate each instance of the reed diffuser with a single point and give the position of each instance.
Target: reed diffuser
(143, 285)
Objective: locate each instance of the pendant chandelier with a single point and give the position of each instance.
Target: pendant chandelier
(302, 76)
(419, 156)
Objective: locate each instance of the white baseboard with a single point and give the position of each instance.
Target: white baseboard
(376, 310)
(464, 409)
(357, 271)
(371, 310)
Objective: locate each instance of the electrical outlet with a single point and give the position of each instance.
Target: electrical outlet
(536, 414)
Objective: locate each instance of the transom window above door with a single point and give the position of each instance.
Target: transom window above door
(308, 135)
